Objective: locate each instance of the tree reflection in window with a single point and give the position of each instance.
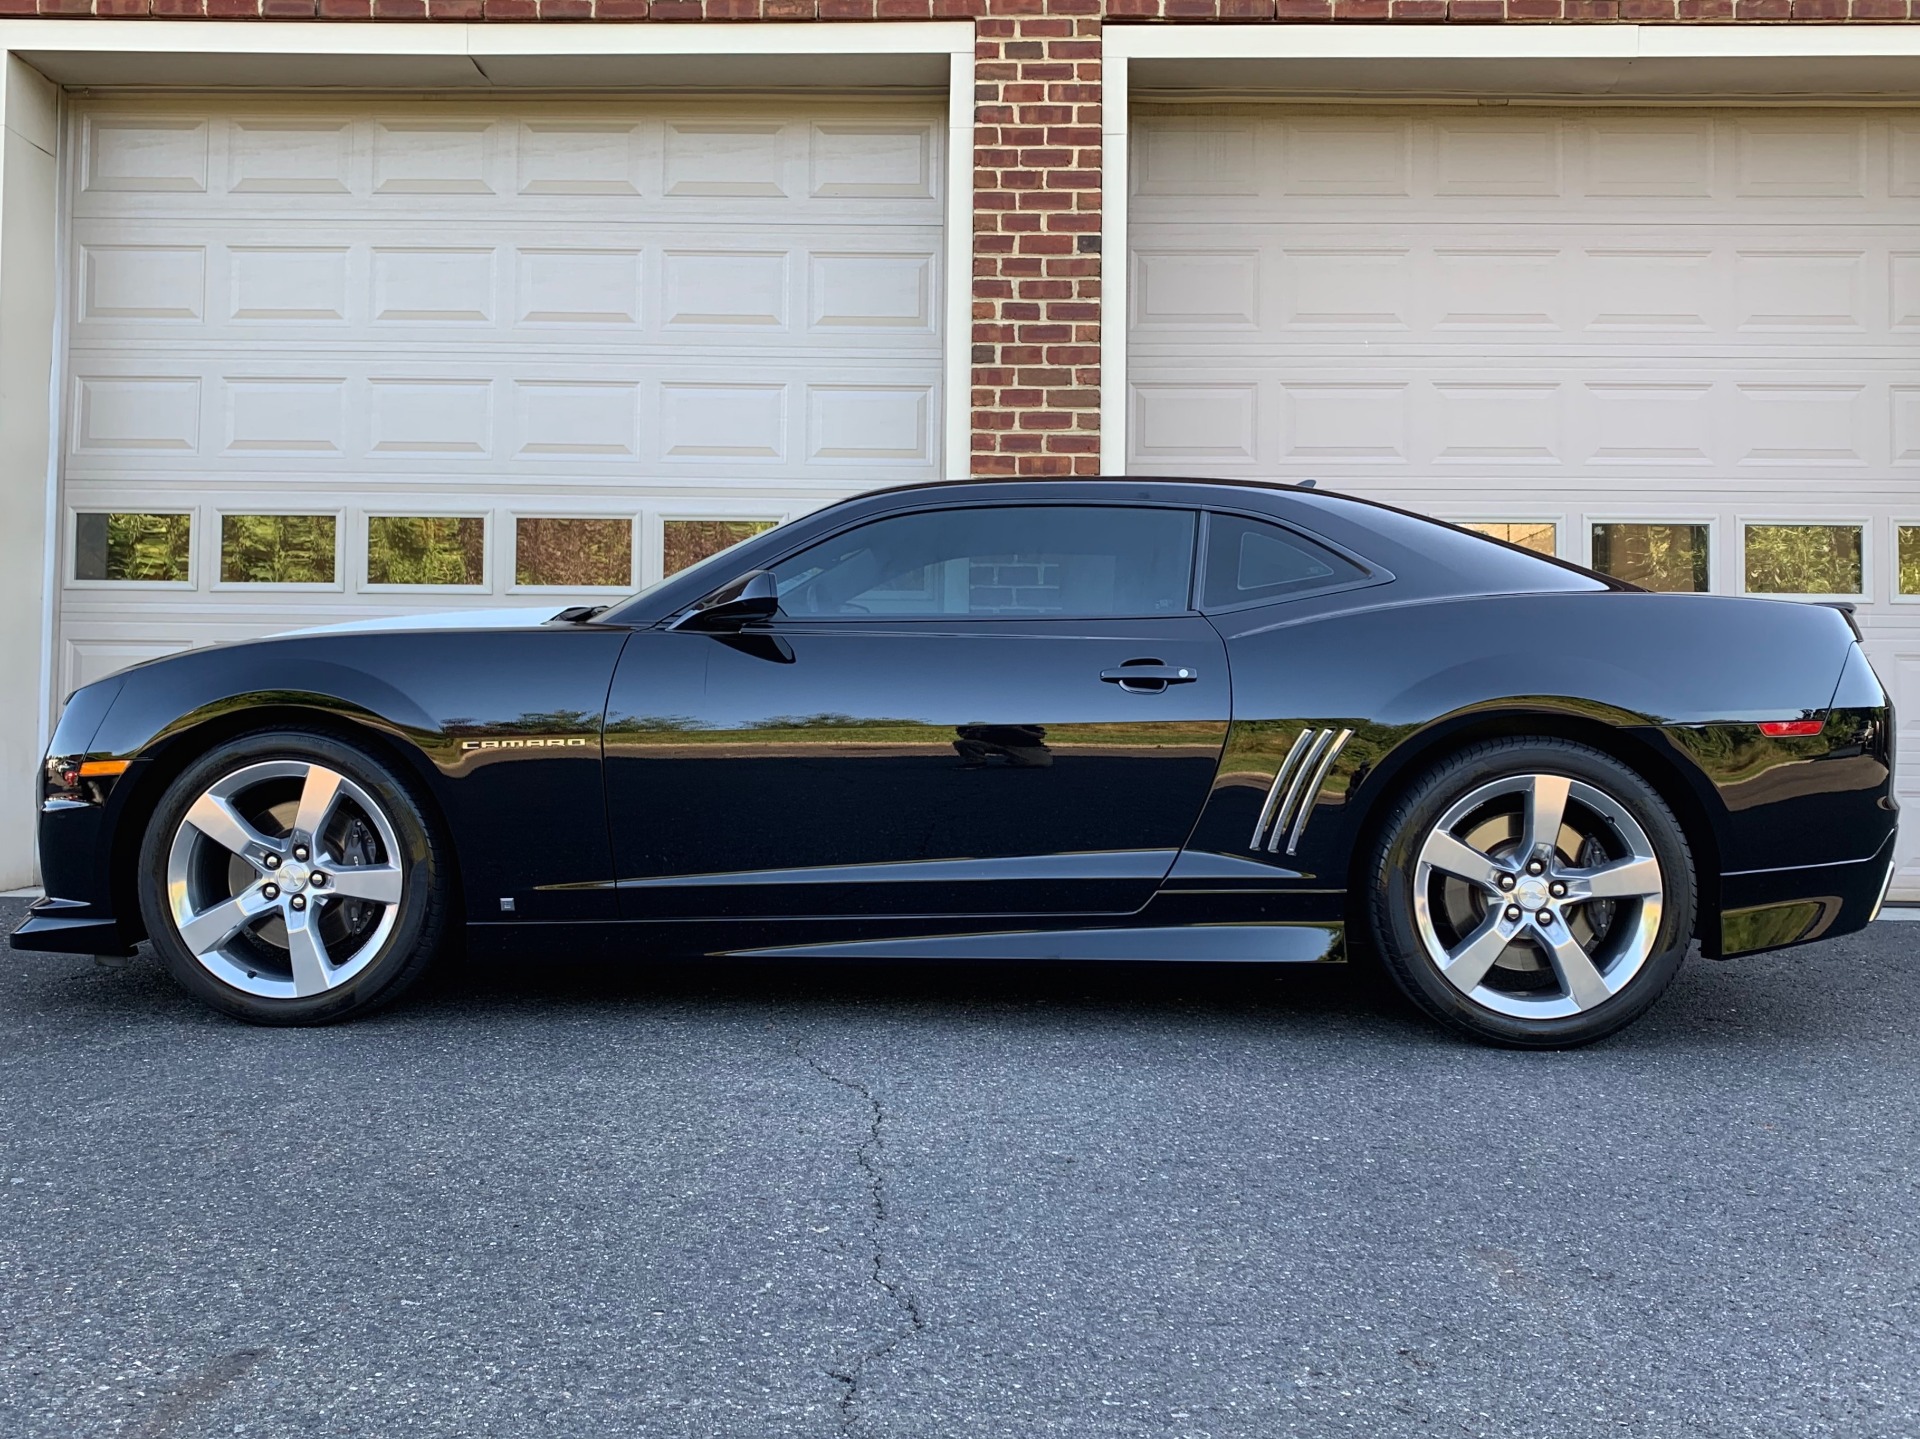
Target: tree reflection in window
(1654, 556)
(1804, 560)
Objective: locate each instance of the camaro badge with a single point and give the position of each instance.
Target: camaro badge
(577, 742)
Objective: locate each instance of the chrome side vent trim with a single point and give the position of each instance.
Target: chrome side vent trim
(1296, 785)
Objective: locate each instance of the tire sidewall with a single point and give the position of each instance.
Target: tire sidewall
(406, 948)
(1396, 857)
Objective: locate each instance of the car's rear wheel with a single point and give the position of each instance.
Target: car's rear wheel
(288, 878)
(1532, 893)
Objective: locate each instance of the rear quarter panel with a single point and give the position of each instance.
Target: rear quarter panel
(1675, 684)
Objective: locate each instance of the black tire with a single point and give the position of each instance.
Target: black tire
(1641, 958)
(384, 964)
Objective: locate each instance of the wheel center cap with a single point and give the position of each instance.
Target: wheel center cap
(292, 876)
(1530, 893)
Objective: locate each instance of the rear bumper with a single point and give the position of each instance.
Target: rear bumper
(69, 926)
(1774, 908)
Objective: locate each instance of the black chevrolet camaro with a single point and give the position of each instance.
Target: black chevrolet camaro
(1113, 719)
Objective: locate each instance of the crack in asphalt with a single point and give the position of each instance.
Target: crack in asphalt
(868, 1157)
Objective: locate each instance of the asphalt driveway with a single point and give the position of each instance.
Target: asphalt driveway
(965, 1202)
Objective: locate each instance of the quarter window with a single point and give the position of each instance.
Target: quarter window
(126, 548)
(1804, 559)
(1249, 561)
(1041, 560)
(1655, 557)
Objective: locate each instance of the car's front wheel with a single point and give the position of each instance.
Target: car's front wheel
(288, 878)
(1533, 893)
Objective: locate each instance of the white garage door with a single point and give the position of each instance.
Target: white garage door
(332, 358)
(1677, 344)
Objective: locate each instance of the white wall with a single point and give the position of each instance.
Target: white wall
(27, 188)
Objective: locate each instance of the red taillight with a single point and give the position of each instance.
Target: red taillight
(1791, 729)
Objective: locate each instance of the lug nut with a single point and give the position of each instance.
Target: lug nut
(1557, 890)
(1533, 865)
(319, 881)
(299, 901)
(300, 853)
(272, 891)
(1513, 912)
(272, 861)
(1546, 915)
(1506, 881)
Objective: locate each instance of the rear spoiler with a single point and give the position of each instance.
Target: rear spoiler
(1846, 607)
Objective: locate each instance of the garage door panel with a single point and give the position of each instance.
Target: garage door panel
(666, 286)
(1555, 320)
(1523, 163)
(728, 158)
(167, 420)
(1584, 284)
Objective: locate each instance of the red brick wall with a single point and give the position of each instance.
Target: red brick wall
(1036, 266)
(1036, 238)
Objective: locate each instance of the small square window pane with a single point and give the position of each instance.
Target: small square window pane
(1655, 557)
(426, 550)
(133, 548)
(1804, 560)
(1542, 539)
(573, 554)
(687, 542)
(1909, 538)
(277, 549)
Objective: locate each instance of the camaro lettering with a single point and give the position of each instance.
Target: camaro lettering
(575, 743)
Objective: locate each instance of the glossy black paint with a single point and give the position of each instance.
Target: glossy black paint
(857, 785)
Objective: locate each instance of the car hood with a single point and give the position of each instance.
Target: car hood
(517, 618)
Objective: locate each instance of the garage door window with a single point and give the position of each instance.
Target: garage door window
(1540, 536)
(687, 542)
(1804, 559)
(1907, 562)
(1655, 556)
(444, 551)
(279, 550)
(121, 547)
(572, 553)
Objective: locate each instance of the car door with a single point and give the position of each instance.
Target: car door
(970, 710)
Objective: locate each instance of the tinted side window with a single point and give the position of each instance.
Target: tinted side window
(1015, 561)
(1249, 560)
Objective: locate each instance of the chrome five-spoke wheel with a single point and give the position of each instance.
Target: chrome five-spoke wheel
(1532, 892)
(1538, 896)
(284, 878)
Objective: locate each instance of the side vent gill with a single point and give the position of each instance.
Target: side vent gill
(1296, 786)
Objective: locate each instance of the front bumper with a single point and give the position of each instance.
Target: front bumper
(1774, 908)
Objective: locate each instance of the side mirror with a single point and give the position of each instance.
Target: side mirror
(753, 596)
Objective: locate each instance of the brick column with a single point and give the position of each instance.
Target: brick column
(1036, 238)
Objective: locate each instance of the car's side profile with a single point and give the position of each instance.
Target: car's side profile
(1114, 719)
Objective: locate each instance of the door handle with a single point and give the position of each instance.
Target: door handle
(1149, 677)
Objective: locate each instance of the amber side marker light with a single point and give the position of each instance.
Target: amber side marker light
(1791, 729)
(104, 768)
